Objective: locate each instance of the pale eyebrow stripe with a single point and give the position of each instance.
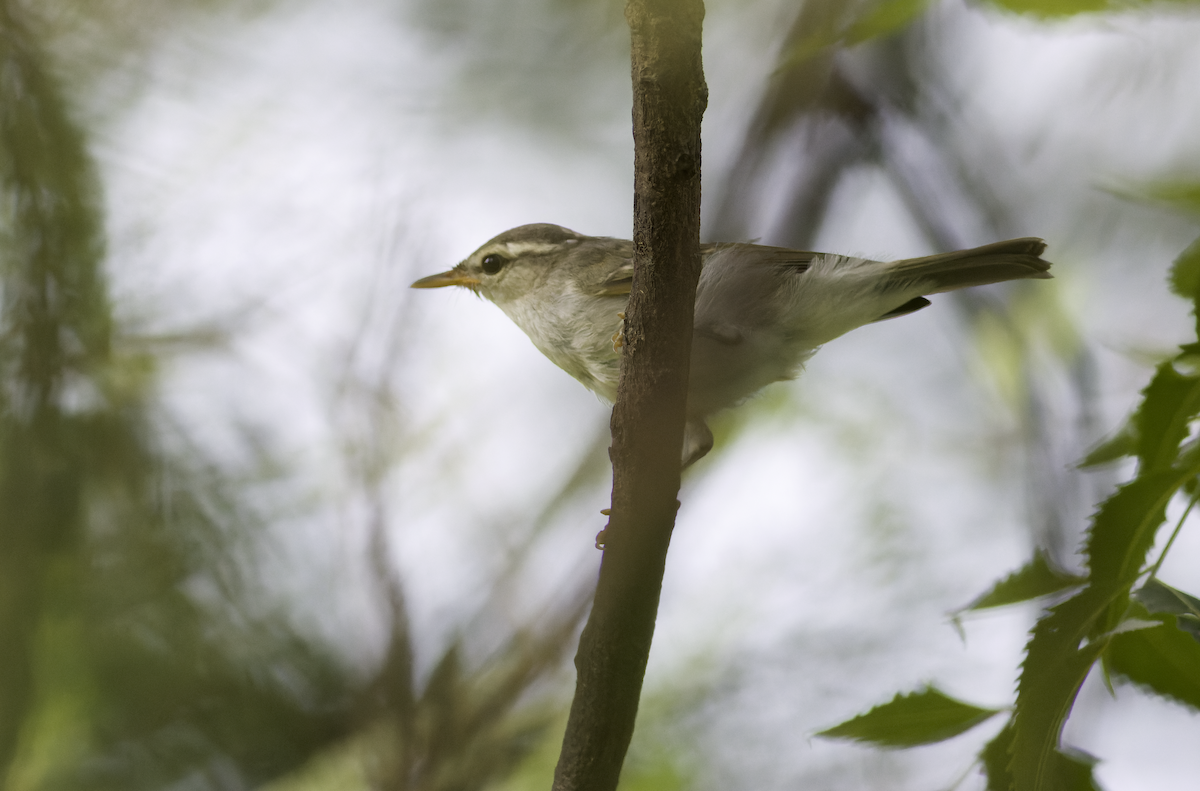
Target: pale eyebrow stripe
(522, 248)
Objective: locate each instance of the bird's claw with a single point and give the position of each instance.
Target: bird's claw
(600, 535)
(618, 338)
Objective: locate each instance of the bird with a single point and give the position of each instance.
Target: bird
(761, 312)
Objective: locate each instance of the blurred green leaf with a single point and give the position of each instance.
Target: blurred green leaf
(884, 18)
(1181, 195)
(840, 26)
(1159, 598)
(663, 774)
(1062, 8)
(1002, 351)
(922, 717)
(1035, 579)
(1185, 272)
(54, 332)
(57, 730)
(1053, 8)
(809, 46)
(345, 766)
(1164, 659)
(1118, 446)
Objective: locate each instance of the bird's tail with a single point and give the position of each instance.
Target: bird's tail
(992, 263)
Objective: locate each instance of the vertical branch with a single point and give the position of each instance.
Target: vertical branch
(669, 98)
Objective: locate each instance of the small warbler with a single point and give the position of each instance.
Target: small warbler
(760, 311)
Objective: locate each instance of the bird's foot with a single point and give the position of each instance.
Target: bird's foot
(600, 535)
(618, 338)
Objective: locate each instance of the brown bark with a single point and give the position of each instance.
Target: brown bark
(669, 98)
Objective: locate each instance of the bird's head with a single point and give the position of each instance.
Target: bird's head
(511, 265)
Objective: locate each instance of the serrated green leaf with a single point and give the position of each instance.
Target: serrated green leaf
(1066, 642)
(1035, 579)
(1185, 272)
(1169, 403)
(922, 717)
(1165, 660)
(1057, 660)
(1071, 768)
(995, 758)
(1122, 533)
(1118, 446)
(884, 18)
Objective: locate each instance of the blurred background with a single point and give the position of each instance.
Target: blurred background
(272, 520)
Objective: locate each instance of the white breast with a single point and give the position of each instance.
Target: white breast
(576, 332)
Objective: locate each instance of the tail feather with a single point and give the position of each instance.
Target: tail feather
(992, 263)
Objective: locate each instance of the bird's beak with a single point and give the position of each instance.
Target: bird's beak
(451, 277)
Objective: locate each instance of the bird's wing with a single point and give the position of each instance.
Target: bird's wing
(795, 261)
(739, 283)
(619, 281)
(616, 283)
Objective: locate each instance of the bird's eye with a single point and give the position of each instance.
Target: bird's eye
(493, 263)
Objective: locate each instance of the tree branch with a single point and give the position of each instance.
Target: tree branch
(669, 98)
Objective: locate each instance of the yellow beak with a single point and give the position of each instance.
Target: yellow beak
(451, 277)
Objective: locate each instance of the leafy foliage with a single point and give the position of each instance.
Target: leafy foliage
(1149, 638)
(922, 717)
(1163, 659)
(1035, 579)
